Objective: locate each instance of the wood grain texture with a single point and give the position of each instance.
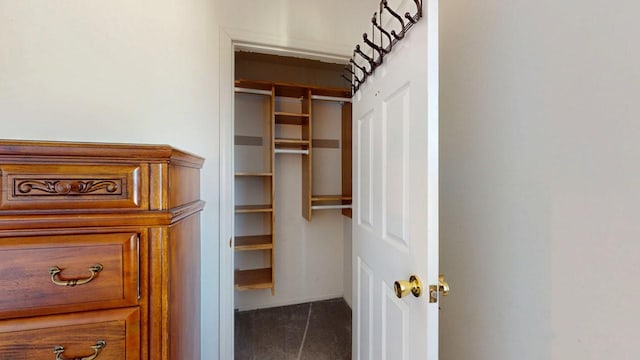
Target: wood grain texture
(307, 160)
(47, 186)
(294, 90)
(254, 279)
(35, 338)
(70, 219)
(253, 242)
(184, 183)
(183, 289)
(274, 230)
(156, 322)
(347, 154)
(29, 290)
(18, 150)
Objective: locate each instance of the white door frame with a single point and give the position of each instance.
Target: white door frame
(230, 39)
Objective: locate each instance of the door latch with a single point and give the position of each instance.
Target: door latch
(443, 287)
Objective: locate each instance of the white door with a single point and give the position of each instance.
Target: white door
(395, 224)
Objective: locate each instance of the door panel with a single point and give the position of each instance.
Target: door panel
(395, 143)
(364, 315)
(365, 162)
(395, 324)
(396, 199)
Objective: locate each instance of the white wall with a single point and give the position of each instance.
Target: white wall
(329, 26)
(119, 71)
(539, 201)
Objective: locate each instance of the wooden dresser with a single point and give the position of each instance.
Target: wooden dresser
(99, 252)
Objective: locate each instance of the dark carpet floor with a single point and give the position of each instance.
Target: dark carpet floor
(312, 331)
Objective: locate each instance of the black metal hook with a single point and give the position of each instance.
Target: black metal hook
(414, 18)
(362, 68)
(385, 3)
(375, 47)
(354, 88)
(374, 21)
(419, 6)
(410, 18)
(364, 56)
(398, 37)
(355, 76)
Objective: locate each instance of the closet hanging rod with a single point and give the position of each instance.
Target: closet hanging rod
(252, 91)
(329, 207)
(330, 98)
(289, 98)
(291, 151)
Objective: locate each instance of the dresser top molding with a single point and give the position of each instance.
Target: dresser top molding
(97, 151)
(46, 184)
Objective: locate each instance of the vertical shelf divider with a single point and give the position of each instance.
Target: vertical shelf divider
(307, 160)
(347, 152)
(264, 276)
(272, 130)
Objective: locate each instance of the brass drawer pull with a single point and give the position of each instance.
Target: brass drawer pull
(58, 350)
(55, 271)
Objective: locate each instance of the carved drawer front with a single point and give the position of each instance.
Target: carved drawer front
(57, 273)
(99, 335)
(49, 187)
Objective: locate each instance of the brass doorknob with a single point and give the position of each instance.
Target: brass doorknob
(403, 287)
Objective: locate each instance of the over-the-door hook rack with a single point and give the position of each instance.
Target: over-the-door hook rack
(381, 51)
(374, 21)
(400, 36)
(364, 56)
(350, 81)
(353, 73)
(361, 68)
(392, 37)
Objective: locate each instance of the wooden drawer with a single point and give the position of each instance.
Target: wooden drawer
(36, 338)
(86, 187)
(27, 281)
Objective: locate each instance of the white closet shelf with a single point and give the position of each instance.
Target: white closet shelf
(252, 91)
(330, 98)
(330, 207)
(328, 202)
(254, 174)
(292, 151)
(294, 142)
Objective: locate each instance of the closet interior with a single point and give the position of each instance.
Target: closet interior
(292, 160)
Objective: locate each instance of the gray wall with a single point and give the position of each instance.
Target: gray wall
(539, 202)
